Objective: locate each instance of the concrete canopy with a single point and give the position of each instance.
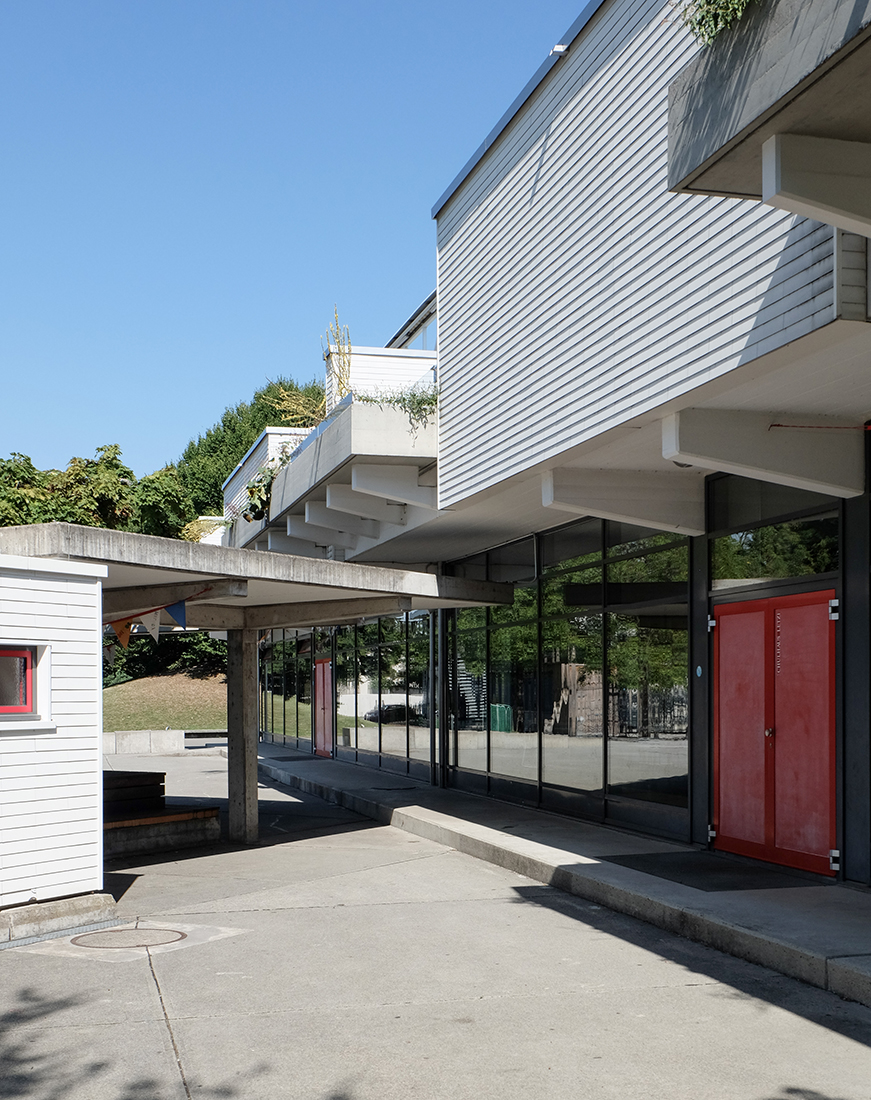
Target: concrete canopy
(233, 589)
(242, 592)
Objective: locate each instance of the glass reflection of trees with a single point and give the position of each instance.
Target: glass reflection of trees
(798, 548)
(545, 670)
(286, 688)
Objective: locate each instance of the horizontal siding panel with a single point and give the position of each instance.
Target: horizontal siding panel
(574, 287)
(48, 769)
(48, 858)
(50, 799)
(59, 880)
(49, 823)
(35, 787)
(60, 626)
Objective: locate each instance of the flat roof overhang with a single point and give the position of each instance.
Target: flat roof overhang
(788, 67)
(233, 589)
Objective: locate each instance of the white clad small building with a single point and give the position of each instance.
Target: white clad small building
(51, 835)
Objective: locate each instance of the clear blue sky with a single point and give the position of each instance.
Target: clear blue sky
(187, 187)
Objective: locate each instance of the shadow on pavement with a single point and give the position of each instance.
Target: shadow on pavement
(32, 1072)
(747, 980)
(117, 883)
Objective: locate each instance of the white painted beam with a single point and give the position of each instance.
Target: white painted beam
(393, 483)
(279, 543)
(664, 501)
(322, 536)
(820, 178)
(344, 499)
(817, 459)
(318, 513)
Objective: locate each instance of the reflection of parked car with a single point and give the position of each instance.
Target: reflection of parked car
(390, 713)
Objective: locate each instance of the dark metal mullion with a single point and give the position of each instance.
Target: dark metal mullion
(407, 727)
(539, 667)
(487, 692)
(606, 685)
(431, 699)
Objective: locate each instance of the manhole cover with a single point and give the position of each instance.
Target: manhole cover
(128, 937)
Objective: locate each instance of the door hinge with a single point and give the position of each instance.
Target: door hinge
(834, 614)
(711, 624)
(834, 859)
(712, 832)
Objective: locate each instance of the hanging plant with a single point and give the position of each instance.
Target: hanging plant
(707, 18)
(419, 403)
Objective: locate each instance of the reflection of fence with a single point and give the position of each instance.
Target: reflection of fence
(648, 712)
(471, 698)
(577, 701)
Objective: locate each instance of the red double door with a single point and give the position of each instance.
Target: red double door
(323, 707)
(774, 730)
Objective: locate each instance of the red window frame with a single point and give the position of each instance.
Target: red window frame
(27, 706)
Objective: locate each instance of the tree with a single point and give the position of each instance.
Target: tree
(94, 492)
(208, 460)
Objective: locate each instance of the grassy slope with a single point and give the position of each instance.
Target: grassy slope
(177, 701)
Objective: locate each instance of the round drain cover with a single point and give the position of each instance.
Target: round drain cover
(128, 937)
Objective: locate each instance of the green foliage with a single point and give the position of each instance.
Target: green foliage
(94, 492)
(798, 548)
(208, 461)
(259, 490)
(162, 504)
(707, 18)
(419, 403)
(24, 491)
(196, 654)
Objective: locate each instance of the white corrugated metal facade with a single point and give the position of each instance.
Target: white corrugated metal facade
(574, 291)
(51, 837)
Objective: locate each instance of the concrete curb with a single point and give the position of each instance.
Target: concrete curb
(50, 919)
(631, 892)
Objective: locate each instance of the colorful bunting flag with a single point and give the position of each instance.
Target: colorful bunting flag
(151, 621)
(122, 629)
(110, 652)
(177, 611)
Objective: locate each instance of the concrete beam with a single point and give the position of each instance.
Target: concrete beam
(279, 543)
(393, 483)
(119, 602)
(322, 536)
(324, 612)
(243, 734)
(317, 512)
(344, 499)
(204, 616)
(664, 501)
(738, 442)
(819, 178)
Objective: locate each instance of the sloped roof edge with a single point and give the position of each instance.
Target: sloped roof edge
(538, 76)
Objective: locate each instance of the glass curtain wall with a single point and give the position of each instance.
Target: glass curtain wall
(579, 689)
(285, 688)
(382, 674)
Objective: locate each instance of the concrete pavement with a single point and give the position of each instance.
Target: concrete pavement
(801, 925)
(344, 959)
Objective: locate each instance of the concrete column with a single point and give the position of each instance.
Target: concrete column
(242, 735)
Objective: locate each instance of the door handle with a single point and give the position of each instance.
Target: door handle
(769, 732)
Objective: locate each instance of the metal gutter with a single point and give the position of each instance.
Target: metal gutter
(541, 72)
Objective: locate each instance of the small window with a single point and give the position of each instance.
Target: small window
(16, 681)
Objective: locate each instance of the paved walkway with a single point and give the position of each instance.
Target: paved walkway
(799, 925)
(344, 959)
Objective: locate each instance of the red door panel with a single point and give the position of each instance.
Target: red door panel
(774, 730)
(803, 725)
(741, 698)
(323, 708)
